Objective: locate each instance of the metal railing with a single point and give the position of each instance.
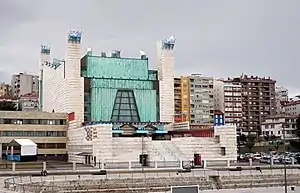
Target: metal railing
(162, 180)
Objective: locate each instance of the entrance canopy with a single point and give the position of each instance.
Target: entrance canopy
(28, 147)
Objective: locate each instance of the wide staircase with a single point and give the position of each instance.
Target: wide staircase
(164, 151)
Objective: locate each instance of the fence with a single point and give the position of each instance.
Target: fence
(163, 180)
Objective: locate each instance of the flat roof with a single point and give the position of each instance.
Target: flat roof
(23, 142)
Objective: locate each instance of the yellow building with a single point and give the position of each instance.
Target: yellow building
(5, 89)
(182, 99)
(47, 130)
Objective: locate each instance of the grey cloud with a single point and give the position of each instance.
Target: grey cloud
(215, 38)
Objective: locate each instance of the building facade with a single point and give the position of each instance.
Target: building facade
(258, 101)
(282, 98)
(5, 89)
(29, 102)
(201, 99)
(182, 99)
(219, 95)
(119, 89)
(24, 83)
(45, 59)
(233, 104)
(279, 125)
(165, 67)
(292, 108)
(47, 130)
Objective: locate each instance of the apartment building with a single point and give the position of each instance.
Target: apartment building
(5, 89)
(279, 125)
(282, 97)
(258, 100)
(29, 102)
(219, 95)
(233, 103)
(292, 108)
(47, 130)
(177, 96)
(24, 83)
(182, 99)
(201, 99)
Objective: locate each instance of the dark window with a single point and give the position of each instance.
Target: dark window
(50, 145)
(60, 145)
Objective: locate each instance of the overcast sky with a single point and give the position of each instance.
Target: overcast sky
(216, 38)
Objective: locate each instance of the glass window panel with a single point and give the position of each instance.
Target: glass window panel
(119, 94)
(125, 112)
(17, 133)
(135, 119)
(117, 106)
(132, 100)
(116, 112)
(130, 94)
(125, 94)
(134, 113)
(125, 106)
(125, 118)
(125, 100)
(118, 100)
(114, 118)
(6, 133)
(40, 133)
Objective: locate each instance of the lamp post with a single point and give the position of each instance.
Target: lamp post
(284, 164)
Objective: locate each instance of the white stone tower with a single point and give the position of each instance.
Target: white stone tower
(165, 67)
(44, 59)
(74, 87)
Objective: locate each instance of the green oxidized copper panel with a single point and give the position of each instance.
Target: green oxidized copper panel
(102, 101)
(125, 68)
(146, 102)
(103, 95)
(123, 83)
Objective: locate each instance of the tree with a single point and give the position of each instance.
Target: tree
(296, 143)
(298, 128)
(250, 142)
(8, 106)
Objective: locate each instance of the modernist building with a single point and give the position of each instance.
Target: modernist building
(279, 126)
(119, 89)
(182, 99)
(258, 100)
(23, 83)
(165, 67)
(5, 89)
(47, 130)
(201, 99)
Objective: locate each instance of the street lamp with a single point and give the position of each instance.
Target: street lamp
(284, 164)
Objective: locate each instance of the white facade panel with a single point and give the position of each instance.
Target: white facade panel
(63, 86)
